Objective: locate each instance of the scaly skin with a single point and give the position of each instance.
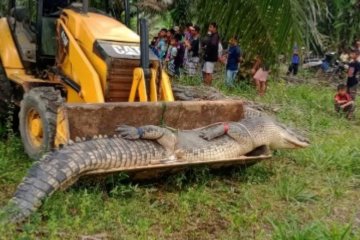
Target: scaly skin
(137, 147)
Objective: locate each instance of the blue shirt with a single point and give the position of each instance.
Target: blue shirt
(234, 54)
(295, 59)
(161, 49)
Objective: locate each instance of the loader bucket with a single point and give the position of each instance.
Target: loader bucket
(88, 120)
(84, 121)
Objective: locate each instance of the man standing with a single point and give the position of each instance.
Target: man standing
(193, 47)
(354, 68)
(211, 53)
(233, 61)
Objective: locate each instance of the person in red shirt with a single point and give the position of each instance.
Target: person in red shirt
(344, 102)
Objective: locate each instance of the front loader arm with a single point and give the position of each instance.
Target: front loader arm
(77, 67)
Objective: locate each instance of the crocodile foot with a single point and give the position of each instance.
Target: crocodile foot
(214, 131)
(128, 132)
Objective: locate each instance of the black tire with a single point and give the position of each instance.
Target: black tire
(42, 102)
(5, 95)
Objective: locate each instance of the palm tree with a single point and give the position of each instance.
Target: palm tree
(179, 10)
(341, 23)
(266, 27)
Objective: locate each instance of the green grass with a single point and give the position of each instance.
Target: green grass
(307, 194)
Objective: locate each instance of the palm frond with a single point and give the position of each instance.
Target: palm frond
(266, 27)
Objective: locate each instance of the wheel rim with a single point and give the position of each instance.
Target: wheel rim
(34, 128)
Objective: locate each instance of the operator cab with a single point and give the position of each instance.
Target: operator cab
(33, 24)
(34, 33)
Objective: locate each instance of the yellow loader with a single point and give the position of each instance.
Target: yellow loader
(75, 71)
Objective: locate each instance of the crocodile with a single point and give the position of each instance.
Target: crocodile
(143, 146)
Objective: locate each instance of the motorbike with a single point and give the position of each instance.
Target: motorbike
(328, 68)
(339, 71)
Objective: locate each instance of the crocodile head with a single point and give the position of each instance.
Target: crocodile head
(288, 139)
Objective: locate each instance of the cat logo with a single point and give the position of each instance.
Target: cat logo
(127, 50)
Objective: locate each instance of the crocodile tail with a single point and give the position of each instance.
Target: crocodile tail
(62, 168)
(44, 178)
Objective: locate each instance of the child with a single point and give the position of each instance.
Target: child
(175, 56)
(261, 71)
(344, 102)
(354, 68)
(171, 55)
(295, 61)
(161, 45)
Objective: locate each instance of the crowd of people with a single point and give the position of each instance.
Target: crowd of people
(186, 49)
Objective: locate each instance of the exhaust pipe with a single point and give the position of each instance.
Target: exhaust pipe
(127, 13)
(144, 52)
(144, 44)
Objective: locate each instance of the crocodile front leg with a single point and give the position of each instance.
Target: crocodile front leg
(236, 131)
(214, 131)
(163, 136)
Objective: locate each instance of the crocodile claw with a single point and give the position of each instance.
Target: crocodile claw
(206, 135)
(212, 133)
(128, 132)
